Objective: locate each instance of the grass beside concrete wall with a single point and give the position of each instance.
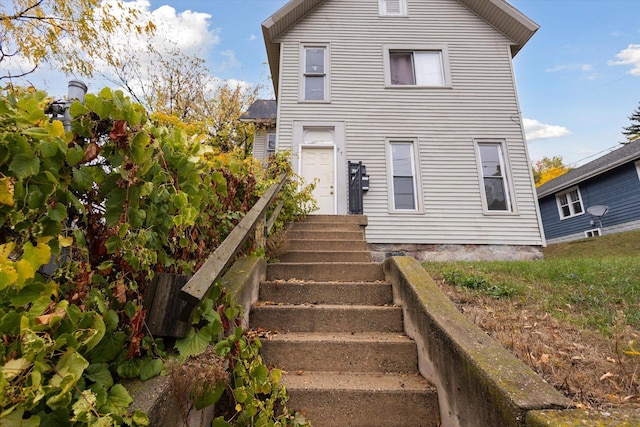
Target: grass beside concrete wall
(592, 283)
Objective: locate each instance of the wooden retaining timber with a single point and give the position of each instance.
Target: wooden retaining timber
(170, 304)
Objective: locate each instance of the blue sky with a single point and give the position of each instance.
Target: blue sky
(578, 77)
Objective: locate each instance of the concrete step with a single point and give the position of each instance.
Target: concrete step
(328, 271)
(330, 351)
(362, 293)
(326, 318)
(325, 256)
(338, 399)
(324, 235)
(322, 245)
(343, 219)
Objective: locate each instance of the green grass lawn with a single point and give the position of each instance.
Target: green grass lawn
(592, 283)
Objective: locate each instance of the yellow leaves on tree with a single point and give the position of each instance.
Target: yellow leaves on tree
(551, 173)
(547, 169)
(64, 33)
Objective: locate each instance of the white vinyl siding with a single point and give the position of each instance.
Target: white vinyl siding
(421, 66)
(392, 7)
(569, 203)
(314, 80)
(494, 177)
(402, 176)
(481, 103)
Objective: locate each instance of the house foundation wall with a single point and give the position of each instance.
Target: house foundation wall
(437, 252)
(618, 228)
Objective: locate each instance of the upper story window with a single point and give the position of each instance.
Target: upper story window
(392, 7)
(569, 203)
(493, 169)
(422, 66)
(315, 73)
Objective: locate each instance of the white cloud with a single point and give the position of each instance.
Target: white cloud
(586, 70)
(231, 60)
(252, 37)
(533, 129)
(629, 56)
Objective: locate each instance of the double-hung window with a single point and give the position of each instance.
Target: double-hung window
(493, 171)
(404, 187)
(392, 7)
(422, 66)
(569, 203)
(271, 144)
(315, 73)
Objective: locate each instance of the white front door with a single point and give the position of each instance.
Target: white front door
(318, 163)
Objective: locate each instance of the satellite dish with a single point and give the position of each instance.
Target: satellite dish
(598, 210)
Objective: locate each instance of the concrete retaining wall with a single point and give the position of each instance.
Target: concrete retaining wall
(479, 382)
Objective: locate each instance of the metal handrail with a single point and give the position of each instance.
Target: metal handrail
(197, 288)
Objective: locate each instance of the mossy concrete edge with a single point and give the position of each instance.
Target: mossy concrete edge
(479, 382)
(583, 418)
(155, 397)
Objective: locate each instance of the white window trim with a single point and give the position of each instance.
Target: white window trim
(382, 9)
(559, 205)
(637, 163)
(506, 167)
(417, 180)
(327, 73)
(594, 232)
(442, 48)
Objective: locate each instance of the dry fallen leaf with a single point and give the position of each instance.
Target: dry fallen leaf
(607, 375)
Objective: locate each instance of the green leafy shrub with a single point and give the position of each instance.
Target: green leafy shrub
(87, 218)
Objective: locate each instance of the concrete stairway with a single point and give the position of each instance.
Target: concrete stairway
(339, 337)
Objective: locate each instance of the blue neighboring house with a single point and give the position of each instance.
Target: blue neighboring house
(600, 197)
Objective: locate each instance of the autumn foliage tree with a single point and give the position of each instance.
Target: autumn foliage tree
(547, 169)
(632, 132)
(62, 33)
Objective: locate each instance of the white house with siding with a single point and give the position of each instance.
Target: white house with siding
(423, 93)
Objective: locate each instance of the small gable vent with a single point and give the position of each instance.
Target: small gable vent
(393, 7)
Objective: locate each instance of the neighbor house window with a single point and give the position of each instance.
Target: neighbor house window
(424, 66)
(315, 73)
(271, 144)
(493, 171)
(569, 203)
(392, 7)
(403, 175)
(638, 168)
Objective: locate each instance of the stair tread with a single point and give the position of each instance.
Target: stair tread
(357, 381)
(325, 282)
(363, 337)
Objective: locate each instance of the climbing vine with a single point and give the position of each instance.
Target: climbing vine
(87, 217)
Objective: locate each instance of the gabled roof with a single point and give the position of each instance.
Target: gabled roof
(498, 13)
(262, 110)
(625, 154)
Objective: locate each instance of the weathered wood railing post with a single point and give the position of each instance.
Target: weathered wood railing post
(171, 317)
(199, 285)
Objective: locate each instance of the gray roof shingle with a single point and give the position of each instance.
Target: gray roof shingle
(262, 110)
